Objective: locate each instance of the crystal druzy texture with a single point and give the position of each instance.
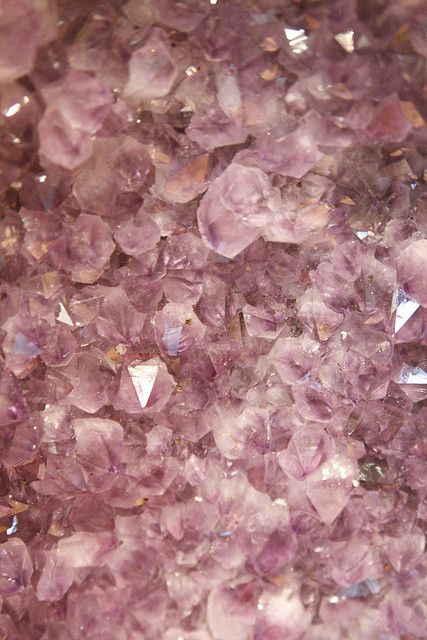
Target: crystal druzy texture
(213, 319)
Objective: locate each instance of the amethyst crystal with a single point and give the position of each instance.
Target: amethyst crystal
(213, 313)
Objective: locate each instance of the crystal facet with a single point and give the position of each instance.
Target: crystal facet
(213, 314)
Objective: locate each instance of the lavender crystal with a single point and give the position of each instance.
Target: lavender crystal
(213, 312)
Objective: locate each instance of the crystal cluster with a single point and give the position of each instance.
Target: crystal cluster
(213, 314)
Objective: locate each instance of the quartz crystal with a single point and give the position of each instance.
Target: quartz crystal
(213, 314)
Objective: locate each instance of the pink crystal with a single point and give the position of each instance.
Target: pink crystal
(23, 28)
(177, 328)
(137, 236)
(17, 567)
(292, 154)
(235, 207)
(186, 16)
(152, 70)
(230, 612)
(389, 122)
(411, 268)
(281, 615)
(329, 488)
(76, 109)
(183, 179)
(213, 314)
(86, 251)
(144, 385)
(99, 449)
(309, 447)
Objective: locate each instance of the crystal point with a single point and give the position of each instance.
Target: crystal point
(404, 307)
(213, 320)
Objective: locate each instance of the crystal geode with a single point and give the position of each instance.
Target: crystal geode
(213, 313)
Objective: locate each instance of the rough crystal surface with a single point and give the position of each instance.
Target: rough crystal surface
(213, 314)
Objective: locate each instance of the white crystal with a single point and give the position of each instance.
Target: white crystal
(171, 340)
(12, 110)
(412, 375)
(63, 316)
(404, 306)
(297, 39)
(346, 40)
(143, 378)
(13, 527)
(362, 234)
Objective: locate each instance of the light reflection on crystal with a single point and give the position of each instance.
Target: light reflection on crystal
(297, 40)
(12, 110)
(413, 375)
(191, 70)
(346, 40)
(13, 527)
(404, 307)
(362, 589)
(63, 316)
(143, 377)
(174, 507)
(171, 340)
(362, 234)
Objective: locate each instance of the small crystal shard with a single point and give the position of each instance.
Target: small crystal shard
(413, 375)
(23, 28)
(282, 615)
(404, 307)
(389, 122)
(308, 449)
(86, 251)
(297, 40)
(143, 377)
(346, 40)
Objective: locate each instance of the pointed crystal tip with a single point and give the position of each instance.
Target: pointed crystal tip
(404, 307)
(412, 375)
(143, 377)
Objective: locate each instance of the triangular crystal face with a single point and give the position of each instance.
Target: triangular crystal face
(143, 377)
(404, 307)
(412, 375)
(63, 316)
(24, 347)
(413, 381)
(346, 40)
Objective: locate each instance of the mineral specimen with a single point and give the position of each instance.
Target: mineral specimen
(213, 313)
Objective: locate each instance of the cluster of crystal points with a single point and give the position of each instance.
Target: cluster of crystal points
(213, 314)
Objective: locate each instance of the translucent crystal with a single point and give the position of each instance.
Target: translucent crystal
(413, 381)
(346, 40)
(213, 312)
(143, 377)
(404, 307)
(412, 375)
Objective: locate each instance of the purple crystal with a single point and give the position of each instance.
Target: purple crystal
(235, 208)
(152, 71)
(213, 313)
